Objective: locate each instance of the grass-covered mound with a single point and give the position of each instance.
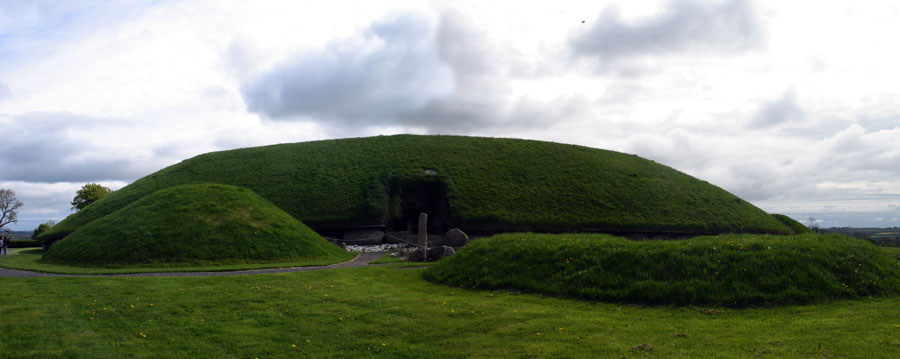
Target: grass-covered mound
(732, 270)
(796, 227)
(193, 224)
(489, 184)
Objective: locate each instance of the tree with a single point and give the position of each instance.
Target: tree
(9, 207)
(88, 194)
(41, 228)
(814, 224)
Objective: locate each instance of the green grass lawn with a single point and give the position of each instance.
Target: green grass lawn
(384, 312)
(29, 259)
(388, 258)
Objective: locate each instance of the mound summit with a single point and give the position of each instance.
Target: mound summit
(193, 224)
(481, 185)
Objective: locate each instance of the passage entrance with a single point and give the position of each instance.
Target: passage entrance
(420, 195)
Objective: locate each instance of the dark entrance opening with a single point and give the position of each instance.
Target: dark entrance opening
(422, 195)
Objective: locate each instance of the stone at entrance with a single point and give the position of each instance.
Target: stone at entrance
(456, 238)
(436, 253)
(417, 255)
(433, 254)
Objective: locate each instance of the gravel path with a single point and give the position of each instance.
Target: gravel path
(361, 260)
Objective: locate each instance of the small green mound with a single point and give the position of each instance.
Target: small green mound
(193, 224)
(796, 227)
(731, 270)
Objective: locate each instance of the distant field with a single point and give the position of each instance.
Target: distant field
(382, 312)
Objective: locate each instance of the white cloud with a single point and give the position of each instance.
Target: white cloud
(5, 92)
(796, 113)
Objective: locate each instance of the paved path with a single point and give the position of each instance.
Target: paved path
(361, 260)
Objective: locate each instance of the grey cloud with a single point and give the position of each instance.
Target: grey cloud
(396, 69)
(855, 154)
(482, 97)
(57, 147)
(684, 25)
(439, 79)
(780, 111)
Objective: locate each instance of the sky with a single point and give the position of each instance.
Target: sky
(791, 105)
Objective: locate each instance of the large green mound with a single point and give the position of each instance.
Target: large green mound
(193, 224)
(730, 270)
(477, 184)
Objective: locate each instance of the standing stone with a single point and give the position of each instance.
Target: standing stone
(456, 238)
(423, 230)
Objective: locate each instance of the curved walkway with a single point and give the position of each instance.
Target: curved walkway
(361, 260)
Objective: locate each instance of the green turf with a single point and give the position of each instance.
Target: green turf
(205, 224)
(350, 313)
(730, 270)
(492, 183)
(29, 259)
(388, 258)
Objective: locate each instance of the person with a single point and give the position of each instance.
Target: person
(5, 238)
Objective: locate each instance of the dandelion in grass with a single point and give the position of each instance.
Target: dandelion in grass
(307, 340)
(293, 345)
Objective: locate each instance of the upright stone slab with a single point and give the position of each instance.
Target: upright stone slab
(423, 230)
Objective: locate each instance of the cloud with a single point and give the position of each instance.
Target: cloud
(855, 154)
(484, 98)
(60, 147)
(777, 112)
(682, 26)
(5, 93)
(403, 73)
(393, 67)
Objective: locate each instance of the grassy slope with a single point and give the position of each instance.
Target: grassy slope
(796, 227)
(263, 316)
(193, 224)
(733, 270)
(30, 259)
(504, 183)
